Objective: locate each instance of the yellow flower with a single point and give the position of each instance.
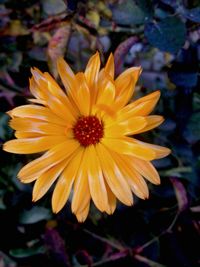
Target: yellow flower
(85, 132)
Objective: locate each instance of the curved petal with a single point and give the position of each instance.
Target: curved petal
(125, 86)
(68, 78)
(83, 95)
(37, 126)
(45, 181)
(20, 134)
(112, 201)
(81, 216)
(62, 99)
(50, 90)
(110, 66)
(91, 75)
(63, 187)
(62, 111)
(113, 176)
(48, 160)
(81, 195)
(38, 85)
(96, 180)
(146, 169)
(92, 70)
(128, 127)
(152, 121)
(106, 90)
(160, 151)
(33, 145)
(141, 107)
(36, 112)
(35, 91)
(53, 96)
(127, 147)
(135, 180)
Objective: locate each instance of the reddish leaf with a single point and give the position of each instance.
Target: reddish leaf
(57, 46)
(180, 193)
(121, 52)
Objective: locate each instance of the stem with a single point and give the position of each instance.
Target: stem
(104, 240)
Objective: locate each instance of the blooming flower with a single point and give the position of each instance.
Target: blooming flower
(85, 132)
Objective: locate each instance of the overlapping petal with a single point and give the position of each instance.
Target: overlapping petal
(85, 132)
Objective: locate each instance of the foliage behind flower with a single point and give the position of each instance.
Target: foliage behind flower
(85, 132)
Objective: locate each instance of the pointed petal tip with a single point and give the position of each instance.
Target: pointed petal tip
(97, 53)
(158, 92)
(7, 147)
(80, 218)
(34, 199)
(157, 182)
(129, 202)
(168, 151)
(110, 211)
(9, 113)
(55, 210)
(55, 206)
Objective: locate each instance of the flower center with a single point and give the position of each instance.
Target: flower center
(88, 130)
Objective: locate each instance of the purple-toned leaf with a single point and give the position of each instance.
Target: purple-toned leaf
(57, 46)
(180, 193)
(121, 52)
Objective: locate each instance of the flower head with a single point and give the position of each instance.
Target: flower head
(85, 134)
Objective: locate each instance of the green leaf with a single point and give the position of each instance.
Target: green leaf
(27, 252)
(35, 215)
(128, 13)
(168, 35)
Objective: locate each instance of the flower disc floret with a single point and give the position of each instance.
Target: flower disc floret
(88, 130)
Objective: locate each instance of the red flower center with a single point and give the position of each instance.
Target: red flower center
(88, 130)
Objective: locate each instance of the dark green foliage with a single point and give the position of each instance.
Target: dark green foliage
(168, 35)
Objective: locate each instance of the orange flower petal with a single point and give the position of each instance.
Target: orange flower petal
(113, 176)
(146, 169)
(81, 195)
(68, 78)
(127, 147)
(135, 180)
(110, 67)
(141, 107)
(127, 127)
(45, 181)
(152, 122)
(36, 112)
(91, 74)
(96, 180)
(125, 86)
(81, 216)
(48, 160)
(83, 95)
(65, 182)
(160, 151)
(112, 201)
(37, 126)
(106, 90)
(33, 145)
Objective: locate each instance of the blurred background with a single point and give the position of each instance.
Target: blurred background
(164, 38)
